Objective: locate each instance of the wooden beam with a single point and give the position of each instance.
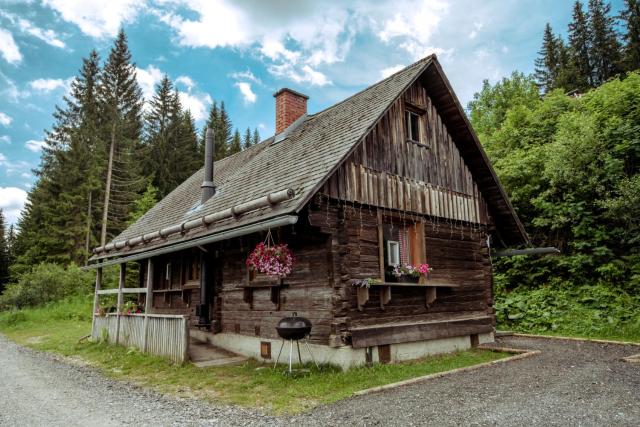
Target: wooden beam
(96, 299)
(123, 270)
(148, 303)
(124, 291)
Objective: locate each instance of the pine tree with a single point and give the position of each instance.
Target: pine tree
(247, 139)
(579, 44)
(631, 18)
(548, 62)
(57, 220)
(256, 137)
(171, 144)
(236, 143)
(605, 48)
(121, 102)
(223, 134)
(4, 253)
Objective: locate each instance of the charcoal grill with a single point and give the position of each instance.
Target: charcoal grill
(294, 328)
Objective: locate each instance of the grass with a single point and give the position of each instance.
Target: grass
(58, 326)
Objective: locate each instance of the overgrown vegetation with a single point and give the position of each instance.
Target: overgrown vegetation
(57, 326)
(46, 283)
(590, 311)
(572, 169)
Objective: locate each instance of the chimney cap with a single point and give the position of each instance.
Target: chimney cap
(286, 89)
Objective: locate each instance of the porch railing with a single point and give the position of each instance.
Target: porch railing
(158, 334)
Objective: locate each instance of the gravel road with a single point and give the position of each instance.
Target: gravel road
(570, 383)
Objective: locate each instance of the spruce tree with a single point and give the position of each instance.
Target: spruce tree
(605, 48)
(223, 134)
(631, 18)
(57, 220)
(171, 144)
(236, 143)
(579, 44)
(256, 137)
(4, 253)
(247, 139)
(121, 103)
(547, 63)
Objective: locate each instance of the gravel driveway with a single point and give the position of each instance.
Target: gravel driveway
(570, 383)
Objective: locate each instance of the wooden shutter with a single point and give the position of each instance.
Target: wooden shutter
(417, 243)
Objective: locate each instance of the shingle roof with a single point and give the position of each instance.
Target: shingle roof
(301, 162)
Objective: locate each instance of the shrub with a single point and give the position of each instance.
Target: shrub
(45, 283)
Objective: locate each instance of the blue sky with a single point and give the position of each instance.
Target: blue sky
(243, 51)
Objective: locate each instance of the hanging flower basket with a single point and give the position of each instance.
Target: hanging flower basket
(273, 260)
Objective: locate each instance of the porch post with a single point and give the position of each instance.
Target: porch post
(96, 300)
(148, 303)
(123, 269)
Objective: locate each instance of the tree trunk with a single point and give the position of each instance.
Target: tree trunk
(107, 190)
(88, 237)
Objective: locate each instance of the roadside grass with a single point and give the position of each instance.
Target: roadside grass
(595, 312)
(58, 326)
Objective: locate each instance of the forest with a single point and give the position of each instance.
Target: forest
(565, 142)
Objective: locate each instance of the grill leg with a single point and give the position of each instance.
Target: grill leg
(306, 341)
(299, 356)
(290, 353)
(279, 353)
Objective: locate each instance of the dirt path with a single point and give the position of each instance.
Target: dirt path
(570, 383)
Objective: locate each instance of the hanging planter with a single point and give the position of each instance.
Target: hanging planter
(273, 260)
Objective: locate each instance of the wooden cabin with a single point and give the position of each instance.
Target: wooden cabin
(393, 174)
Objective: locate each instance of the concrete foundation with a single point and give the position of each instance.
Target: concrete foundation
(345, 357)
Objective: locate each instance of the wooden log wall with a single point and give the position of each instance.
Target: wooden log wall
(457, 252)
(306, 290)
(388, 170)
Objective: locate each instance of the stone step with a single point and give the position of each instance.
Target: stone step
(204, 354)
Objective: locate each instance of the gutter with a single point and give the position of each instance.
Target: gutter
(216, 237)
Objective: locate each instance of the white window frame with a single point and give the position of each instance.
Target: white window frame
(393, 253)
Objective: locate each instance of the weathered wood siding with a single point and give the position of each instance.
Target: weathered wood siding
(457, 252)
(388, 170)
(306, 291)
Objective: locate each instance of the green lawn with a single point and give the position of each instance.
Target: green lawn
(57, 328)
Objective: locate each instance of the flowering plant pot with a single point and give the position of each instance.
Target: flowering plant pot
(274, 261)
(412, 273)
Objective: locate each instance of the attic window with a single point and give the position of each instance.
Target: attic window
(412, 121)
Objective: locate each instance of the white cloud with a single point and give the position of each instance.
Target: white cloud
(197, 103)
(386, 72)
(306, 74)
(148, 78)
(413, 25)
(12, 201)
(5, 120)
(47, 36)
(477, 26)
(12, 167)
(96, 18)
(48, 85)
(248, 94)
(9, 48)
(186, 81)
(5, 139)
(34, 145)
(245, 75)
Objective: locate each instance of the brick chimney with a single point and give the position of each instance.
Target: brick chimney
(290, 106)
